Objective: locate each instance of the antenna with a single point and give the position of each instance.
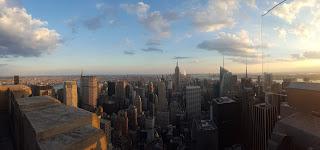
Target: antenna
(262, 15)
(177, 62)
(246, 67)
(223, 61)
(261, 44)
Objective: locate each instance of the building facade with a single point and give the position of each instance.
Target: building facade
(264, 119)
(193, 101)
(89, 92)
(70, 93)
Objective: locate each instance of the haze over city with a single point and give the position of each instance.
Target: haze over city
(132, 37)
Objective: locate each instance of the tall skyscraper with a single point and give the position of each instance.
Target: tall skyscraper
(177, 77)
(122, 123)
(162, 103)
(267, 81)
(225, 82)
(226, 115)
(89, 92)
(162, 106)
(16, 80)
(111, 88)
(247, 103)
(193, 101)
(264, 119)
(70, 93)
(120, 92)
(132, 116)
(138, 104)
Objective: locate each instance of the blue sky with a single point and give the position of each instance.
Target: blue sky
(125, 37)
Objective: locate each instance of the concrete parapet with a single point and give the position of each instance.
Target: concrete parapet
(42, 122)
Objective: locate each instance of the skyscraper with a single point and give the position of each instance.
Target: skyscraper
(138, 104)
(247, 102)
(120, 92)
(111, 88)
(162, 106)
(226, 115)
(225, 82)
(193, 101)
(162, 103)
(70, 93)
(132, 116)
(267, 81)
(16, 80)
(89, 92)
(264, 119)
(177, 77)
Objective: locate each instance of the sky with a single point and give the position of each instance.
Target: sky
(58, 37)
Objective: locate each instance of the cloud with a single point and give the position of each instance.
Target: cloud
(153, 42)
(282, 33)
(72, 23)
(172, 16)
(251, 3)
(3, 65)
(312, 54)
(289, 11)
(195, 61)
(231, 45)
(152, 49)
(22, 35)
(152, 21)
(181, 57)
(184, 37)
(217, 15)
(157, 24)
(301, 30)
(129, 52)
(302, 56)
(139, 9)
(93, 23)
(106, 10)
(107, 14)
(242, 60)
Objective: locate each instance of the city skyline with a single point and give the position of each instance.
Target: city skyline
(132, 37)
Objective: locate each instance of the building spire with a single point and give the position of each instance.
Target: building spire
(223, 61)
(246, 67)
(177, 62)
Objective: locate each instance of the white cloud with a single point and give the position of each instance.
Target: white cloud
(251, 3)
(282, 33)
(239, 45)
(289, 11)
(316, 16)
(302, 31)
(22, 35)
(152, 49)
(242, 60)
(217, 15)
(302, 56)
(139, 9)
(153, 21)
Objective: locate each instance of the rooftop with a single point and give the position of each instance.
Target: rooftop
(206, 125)
(42, 122)
(224, 100)
(303, 130)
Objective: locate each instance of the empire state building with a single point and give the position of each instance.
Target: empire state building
(177, 77)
